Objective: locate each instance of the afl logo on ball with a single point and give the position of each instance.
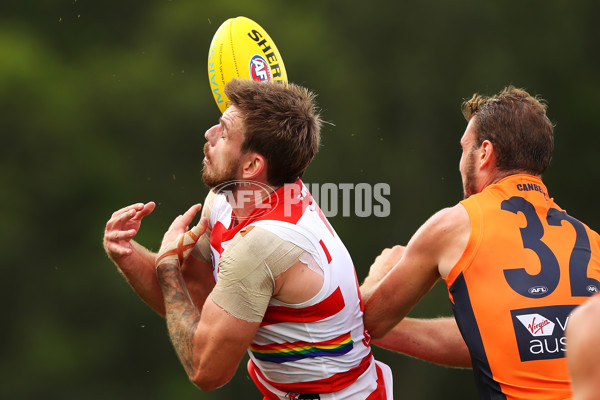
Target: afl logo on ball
(259, 69)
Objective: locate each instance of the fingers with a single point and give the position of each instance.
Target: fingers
(197, 231)
(134, 211)
(128, 209)
(395, 252)
(124, 217)
(115, 250)
(177, 249)
(177, 226)
(120, 235)
(145, 210)
(123, 226)
(386, 261)
(117, 242)
(200, 227)
(118, 222)
(177, 244)
(182, 222)
(189, 215)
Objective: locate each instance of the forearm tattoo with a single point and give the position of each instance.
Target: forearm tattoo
(181, 314)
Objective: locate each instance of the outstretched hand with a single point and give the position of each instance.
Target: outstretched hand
(178, 241)
(122, 227)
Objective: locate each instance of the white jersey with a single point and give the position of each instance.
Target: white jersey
(320, 346)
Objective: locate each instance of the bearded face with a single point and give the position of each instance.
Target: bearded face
(468, 175)
(214, 175)
(467, 166)
(223, 149)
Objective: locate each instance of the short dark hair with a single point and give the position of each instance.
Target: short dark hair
(281, 122)
(516, 124)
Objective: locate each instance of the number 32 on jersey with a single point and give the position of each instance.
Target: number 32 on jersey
(546, 281)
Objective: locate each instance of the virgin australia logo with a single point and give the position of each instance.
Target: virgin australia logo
(536, 324)
(540, 331)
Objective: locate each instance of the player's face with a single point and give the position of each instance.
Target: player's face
(223, 149)
(467, 160)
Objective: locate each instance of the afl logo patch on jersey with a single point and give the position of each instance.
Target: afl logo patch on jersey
(259, 69)
(592, 289)
(539, 290)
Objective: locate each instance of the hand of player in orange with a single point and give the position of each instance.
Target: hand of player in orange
(178, 241)
(122, 227)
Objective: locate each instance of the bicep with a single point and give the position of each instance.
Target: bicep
(408, 281)
(222, 340)
(398, 293)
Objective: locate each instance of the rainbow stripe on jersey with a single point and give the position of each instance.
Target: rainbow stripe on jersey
(286, 352)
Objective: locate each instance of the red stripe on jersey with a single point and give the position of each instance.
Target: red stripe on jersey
(216, 236)
(322, 216)
(266, 392)
(326, 251)
(380, 392)
(317, 312)
(332, 384)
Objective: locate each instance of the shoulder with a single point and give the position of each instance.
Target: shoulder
(259, 239)
(443, 224)
(254, 246)
(209, 203)
(451, 215)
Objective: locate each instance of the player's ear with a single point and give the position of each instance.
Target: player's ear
(487, 156)
(253, 165)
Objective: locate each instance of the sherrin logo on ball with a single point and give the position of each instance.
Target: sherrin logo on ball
(242, 49)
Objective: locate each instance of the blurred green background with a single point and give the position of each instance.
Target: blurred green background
(105, 103)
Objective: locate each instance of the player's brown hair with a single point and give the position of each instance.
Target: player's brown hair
(516, 124)
(281, 122)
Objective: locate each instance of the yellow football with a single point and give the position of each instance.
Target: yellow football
(242, 49)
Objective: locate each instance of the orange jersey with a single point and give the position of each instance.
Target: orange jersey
(527, 264)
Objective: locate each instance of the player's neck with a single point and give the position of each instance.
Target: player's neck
(248, 197)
